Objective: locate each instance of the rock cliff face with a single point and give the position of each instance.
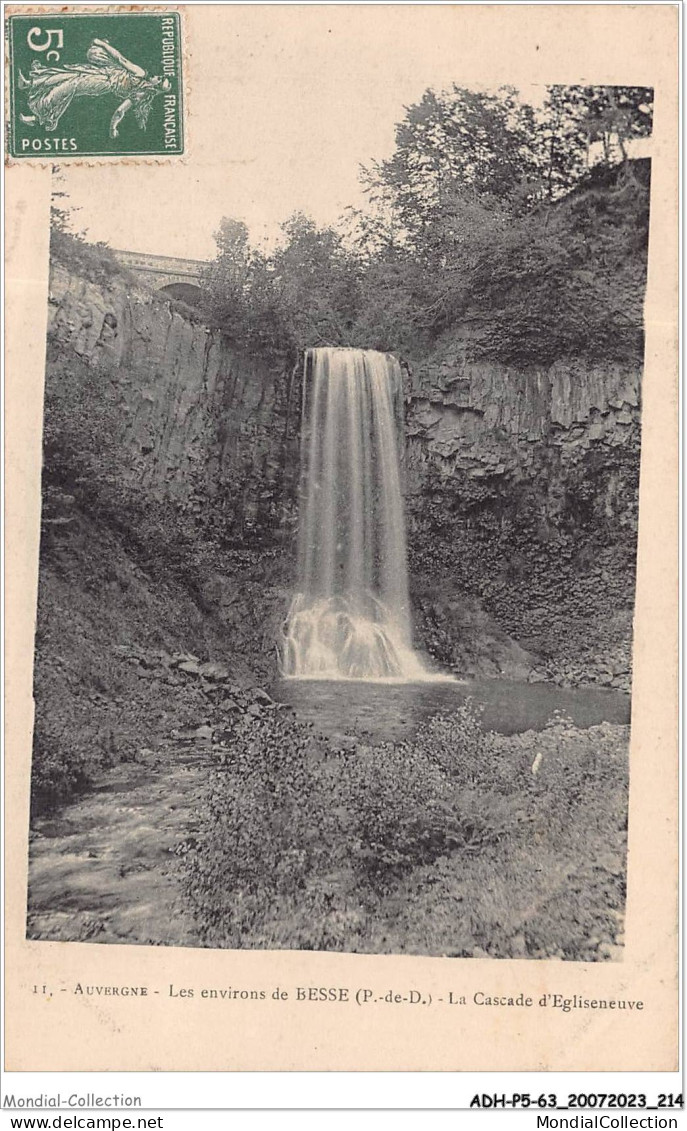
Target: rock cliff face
(473, 421)
(521, 485)
(196, 418)
(522, 493)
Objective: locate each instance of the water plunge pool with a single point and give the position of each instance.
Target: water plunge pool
(389, 712)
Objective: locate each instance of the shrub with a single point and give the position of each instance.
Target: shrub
(401, 812)
(93, 261)
(64, 762)
(409, 803)
(314, 849)
(270, 826)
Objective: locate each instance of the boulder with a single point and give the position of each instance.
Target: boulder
(214, 671)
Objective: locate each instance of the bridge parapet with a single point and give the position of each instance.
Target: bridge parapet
(160, 271)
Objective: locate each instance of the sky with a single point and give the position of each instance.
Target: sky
(284, 104)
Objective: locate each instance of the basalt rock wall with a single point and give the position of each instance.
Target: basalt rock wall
(522, 496)
(195, 419)
(472, 421)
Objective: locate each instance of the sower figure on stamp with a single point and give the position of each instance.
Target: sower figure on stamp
(52, 89)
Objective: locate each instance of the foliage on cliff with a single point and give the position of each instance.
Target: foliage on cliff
(488, 215)
(91, 261)
(305, 292)
(567, 284)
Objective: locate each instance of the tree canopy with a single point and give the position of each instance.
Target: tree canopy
(533, 216)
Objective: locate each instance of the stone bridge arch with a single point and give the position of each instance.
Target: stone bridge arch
(169, 274)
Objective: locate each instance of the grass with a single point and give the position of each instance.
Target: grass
(455, 843)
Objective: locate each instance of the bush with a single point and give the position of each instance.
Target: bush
(285, 823)
(270, 827)
(63, 763)
(413, 803)
(95, 262)
(431, 845)
(578, 772)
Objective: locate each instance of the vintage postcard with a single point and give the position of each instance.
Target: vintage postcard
(341, 537)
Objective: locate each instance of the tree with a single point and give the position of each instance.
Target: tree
(319, 282)
(458, 141)
(614, 115)
(576, 117)
(61, 215)
(474, 219)
(225, 281)
(304, 293)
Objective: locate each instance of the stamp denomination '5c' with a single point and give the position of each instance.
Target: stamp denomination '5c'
(96, 84)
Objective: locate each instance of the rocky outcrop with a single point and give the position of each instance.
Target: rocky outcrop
(196, 417)
(522, 493)
(476, 420)
(458, 631)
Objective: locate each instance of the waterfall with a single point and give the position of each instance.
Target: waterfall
(350, 618)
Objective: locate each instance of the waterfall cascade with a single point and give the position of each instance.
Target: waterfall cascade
(350, 618)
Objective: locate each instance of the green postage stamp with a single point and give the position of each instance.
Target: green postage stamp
(95, 84)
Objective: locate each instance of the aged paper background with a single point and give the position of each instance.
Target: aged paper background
(493, 44)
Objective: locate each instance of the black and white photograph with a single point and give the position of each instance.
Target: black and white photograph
(339, 511)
